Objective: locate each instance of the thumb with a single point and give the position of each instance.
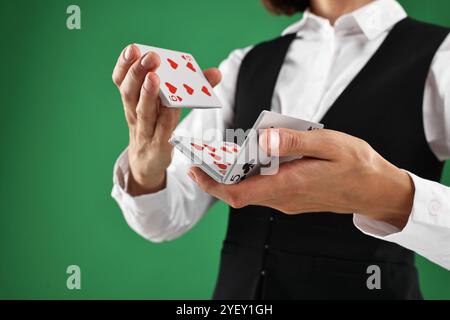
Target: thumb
(287, 142)
(213, 75)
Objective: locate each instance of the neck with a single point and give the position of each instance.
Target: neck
(333, 9)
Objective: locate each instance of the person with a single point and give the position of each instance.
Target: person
(366, 191)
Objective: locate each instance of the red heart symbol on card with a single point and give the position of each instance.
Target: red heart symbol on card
(215, 156)
(171, 88)
(188, 89)
(172, 63)
(206, 91)
(179, 98)
(220, 165)
(191, 66)
(212, 149)
(196, 146)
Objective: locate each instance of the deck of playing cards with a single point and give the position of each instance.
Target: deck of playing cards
(183, 84)
(230, 163)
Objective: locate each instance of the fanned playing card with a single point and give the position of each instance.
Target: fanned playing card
(183, 84)
(230, 163)
(215, 158)
(251, 157)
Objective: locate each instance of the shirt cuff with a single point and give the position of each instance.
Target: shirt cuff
(427, 231)
(138, 204)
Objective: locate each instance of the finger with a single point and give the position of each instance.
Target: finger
(125, 60)
(213, 75)
(169, 117)
(252, 190)
(147, 108)
(166, 123)
(205, 182)
(202, 179)
(131, 85)
(321, 144)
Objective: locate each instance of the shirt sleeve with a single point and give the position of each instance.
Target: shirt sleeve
(436, 103)
(169, 213)
(427, 231)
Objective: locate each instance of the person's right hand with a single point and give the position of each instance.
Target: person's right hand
(150, 122)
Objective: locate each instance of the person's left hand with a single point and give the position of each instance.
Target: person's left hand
(339, 173)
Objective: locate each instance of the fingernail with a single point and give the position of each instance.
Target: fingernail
(148, 83)
(191, 174)
(147, 61)
(128, 54)
(262, 139)
(274, 141)
(269, 140)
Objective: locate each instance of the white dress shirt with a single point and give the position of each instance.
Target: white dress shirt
(318, 67)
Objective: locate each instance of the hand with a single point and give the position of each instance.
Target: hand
(339, 173)
(150, 123)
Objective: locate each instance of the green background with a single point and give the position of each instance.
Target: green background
(62, 128)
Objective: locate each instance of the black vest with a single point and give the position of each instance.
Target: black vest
(270, 255)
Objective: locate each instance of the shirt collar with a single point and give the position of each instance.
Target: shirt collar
(371, 20)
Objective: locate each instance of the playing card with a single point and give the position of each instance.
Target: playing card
(215, 158)
(182, 84)
(230, 163)
(246, 160)
(251, 156)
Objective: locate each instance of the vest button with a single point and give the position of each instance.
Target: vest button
(263, 272)
(271, 218)
(266, 246)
